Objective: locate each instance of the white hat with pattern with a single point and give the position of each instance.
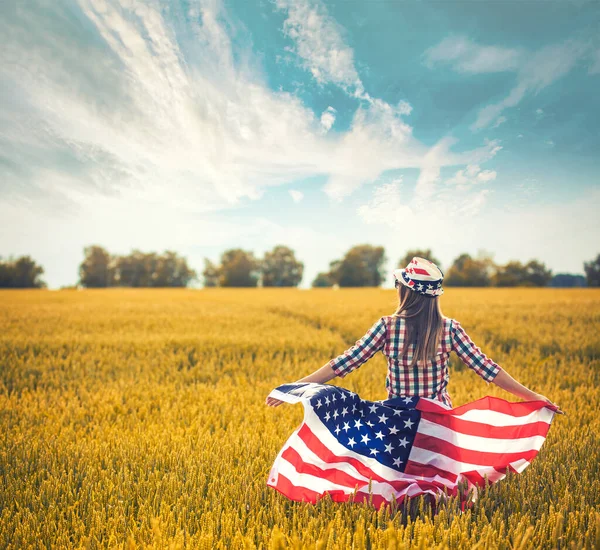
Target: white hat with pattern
(422, 276)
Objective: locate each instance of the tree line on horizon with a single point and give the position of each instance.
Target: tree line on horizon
(361, 266)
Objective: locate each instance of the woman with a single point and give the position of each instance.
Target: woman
(413, 443)
(409, 372)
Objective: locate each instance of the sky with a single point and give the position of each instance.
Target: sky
(199, 126)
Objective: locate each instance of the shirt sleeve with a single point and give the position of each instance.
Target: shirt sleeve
(361, 351)
(471, 355)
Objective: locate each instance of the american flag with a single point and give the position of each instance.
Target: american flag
(384, 451)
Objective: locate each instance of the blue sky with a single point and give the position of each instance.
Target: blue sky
(201, 126)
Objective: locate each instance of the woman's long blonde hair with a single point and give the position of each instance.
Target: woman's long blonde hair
(424, 323)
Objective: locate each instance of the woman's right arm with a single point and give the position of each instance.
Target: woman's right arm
(507, 382)
(490, 371)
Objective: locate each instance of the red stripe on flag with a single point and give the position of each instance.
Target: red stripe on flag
(469, 427)
(481, 458)
(303, 494)
(487, 403)
(420, 271)
(323, 452)
(331, 474)
(428, 470)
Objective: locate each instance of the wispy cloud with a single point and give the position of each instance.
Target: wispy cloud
(534, 70)
(296, 195)
(425, 222)
(517, 230)
(168, 109)
(537, 71)
(320, 44)
(466, 56)
(499, 120)
(471, 175)
(201, 133)
(328, 118)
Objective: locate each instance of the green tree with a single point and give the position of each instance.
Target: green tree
(239, 268)
(510, 274)
(536, 274)
(210, 274)
(138, 269)
(361, 266)
(322, 280)
(515, 273)
(22, 272)
(171, 270)
(96, 270)
(135, 269)
(468, 271)
(592, 271)
(427, 254)
(281, 268)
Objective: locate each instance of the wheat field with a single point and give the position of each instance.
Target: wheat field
(136, 418)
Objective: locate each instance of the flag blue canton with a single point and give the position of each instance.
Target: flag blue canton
(383, 430)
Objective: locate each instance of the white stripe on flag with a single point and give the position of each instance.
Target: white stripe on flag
(424, 456)
(494, 418)
(477, 443)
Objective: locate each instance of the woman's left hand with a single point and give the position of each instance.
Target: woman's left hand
(272, 402)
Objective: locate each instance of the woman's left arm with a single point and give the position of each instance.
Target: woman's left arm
(320, 376)
(348, 361)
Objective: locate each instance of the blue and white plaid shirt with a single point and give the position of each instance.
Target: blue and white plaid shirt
(388, 334)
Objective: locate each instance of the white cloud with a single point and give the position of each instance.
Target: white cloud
(466, 56)
(534, 70)
(207, 135)
(328, 118)
(537, 71)
(200, 134)
(471, 175)
(320, 44)
(422, 222)
(454, 222)
(499, 120)
(297, 196)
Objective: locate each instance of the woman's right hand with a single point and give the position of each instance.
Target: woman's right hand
(540, 397)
